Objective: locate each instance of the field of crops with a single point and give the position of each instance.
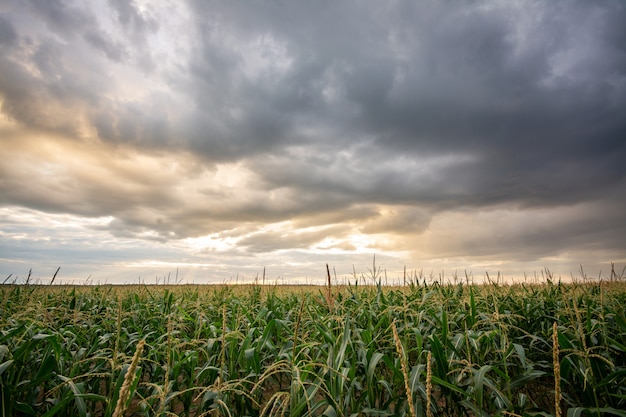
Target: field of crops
(418, 350)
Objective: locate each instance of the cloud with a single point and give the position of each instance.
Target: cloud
(269, 241)
(386, 125)
(472, 81)
(8, 35)
(112, 50)
(399, 220)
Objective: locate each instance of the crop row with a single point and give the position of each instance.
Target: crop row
(420, 350)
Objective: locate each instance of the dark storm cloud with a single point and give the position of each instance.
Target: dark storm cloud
(584, 231)
(60, 17)
(113, 50)
(394, 113)
(533, 95)
(8, 35)
(400, 220)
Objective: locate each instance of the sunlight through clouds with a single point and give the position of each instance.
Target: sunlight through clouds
(221, 138)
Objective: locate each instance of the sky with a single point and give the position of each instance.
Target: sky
(207, 141)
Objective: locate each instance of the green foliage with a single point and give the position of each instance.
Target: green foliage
(274, 351)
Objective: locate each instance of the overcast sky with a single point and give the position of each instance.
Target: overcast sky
(217, 138)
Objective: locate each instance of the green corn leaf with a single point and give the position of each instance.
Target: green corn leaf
(48, 365)
(24, 409)
(440, 356)
(521, 354)
(12, 333)
(116, 392)
(472, 308)
(330, 411)
(617, 345)
(502, 401)
(519, 381)
(77, 390)
(371, 366)
(444, 325)
(475, 410)
(580, 411)
(479, 381)
(5, 365)
(345, 339)
(376, 413)
(438, 381)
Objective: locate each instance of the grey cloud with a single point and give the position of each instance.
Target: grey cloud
(39, 85)
(88, 197)
(586, 229)
(363, 175)
(473, 81)
(112, 50)
(131, 18)
(421, 107)
(138, 25)
(36, 107)
(400, 220)
(8, 34)
(272, 106)
(61, 17)
(356, 214)
(59, 66)
(145, 126)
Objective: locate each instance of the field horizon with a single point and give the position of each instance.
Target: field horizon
(374, 275)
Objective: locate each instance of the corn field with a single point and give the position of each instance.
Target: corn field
(419, 350)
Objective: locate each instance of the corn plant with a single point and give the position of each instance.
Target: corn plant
(356, 350)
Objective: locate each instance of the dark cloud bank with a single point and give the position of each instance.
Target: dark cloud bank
(394, 113)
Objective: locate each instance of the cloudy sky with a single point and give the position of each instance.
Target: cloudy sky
(216, 138)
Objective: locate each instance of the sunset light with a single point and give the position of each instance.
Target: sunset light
(216, 141)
